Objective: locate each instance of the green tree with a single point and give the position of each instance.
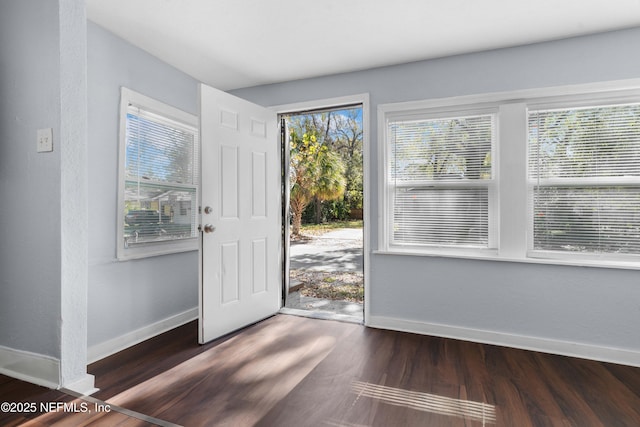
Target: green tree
(443, 149)
(316, 172)
(348, 142)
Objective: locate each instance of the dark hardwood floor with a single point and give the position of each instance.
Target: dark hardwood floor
(293, 371)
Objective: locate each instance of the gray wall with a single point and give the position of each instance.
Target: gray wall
(30, 260)
(125, 296)
(592, 306)
(43, 214)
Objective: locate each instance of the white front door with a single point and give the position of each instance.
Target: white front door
(241, 252)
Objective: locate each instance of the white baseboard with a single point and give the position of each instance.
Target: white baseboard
(31, 367)
(84, 386)
(107, 348)
(544, 345)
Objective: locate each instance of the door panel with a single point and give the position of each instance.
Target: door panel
(241, 255)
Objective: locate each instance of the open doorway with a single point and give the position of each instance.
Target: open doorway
(323, 211)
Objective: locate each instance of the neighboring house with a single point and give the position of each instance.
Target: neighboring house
(65, 299)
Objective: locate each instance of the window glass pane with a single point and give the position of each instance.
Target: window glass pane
(590, 219)
(155, 213)
(161, 179)
(441, 217)
(437, 149)
(585, 142)
(585, 164)
(439, 175)
(159, 149)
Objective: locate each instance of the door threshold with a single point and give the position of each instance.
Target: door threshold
(323, 315)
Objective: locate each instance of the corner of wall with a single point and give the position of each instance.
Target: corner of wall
(84, 386)
(31, 367)
(107, 348)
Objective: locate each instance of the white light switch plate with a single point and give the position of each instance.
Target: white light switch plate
(45, 140)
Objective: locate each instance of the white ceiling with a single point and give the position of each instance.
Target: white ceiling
(231, 44)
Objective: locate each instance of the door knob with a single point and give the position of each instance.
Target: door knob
(208, 228)
(208, 210)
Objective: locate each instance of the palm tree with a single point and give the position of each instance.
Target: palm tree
(316, 172)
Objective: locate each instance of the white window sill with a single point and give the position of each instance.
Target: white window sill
(158, 248)
(492, 255)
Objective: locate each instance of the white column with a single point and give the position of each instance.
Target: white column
(74, 197)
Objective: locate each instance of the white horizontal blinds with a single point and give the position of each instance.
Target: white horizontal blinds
(440, 171)
(161, 178)
(585, 167)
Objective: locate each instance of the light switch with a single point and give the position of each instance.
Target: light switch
(45, 140)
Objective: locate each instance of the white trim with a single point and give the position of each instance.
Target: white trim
(85, 386)
(156, 107)
(513, 214)
(383, 192)
(114, 345)
(367, 195)
(544, 96)
(362, 99)
(532, 258)
(324, 315)
(31, 367)
(320, 104)
(158, 248)
(543, 345)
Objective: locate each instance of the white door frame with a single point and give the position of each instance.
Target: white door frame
(332, 103)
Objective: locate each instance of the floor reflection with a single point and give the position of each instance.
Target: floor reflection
(467, 409)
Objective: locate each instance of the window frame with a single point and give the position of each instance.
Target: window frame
(566, 103)
(515, 211)
(389, 113)
(143, 250)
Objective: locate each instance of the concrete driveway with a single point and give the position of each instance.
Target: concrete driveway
(335, 251)
(338, 250)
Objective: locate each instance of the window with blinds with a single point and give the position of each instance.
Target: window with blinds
(440, 181)
(584, 171)
(159, 177)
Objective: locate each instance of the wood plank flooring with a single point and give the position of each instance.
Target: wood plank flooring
(293, 371)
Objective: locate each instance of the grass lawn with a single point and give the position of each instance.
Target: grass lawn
(319, 229)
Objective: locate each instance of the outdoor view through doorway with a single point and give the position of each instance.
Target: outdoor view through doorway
(325, 213)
